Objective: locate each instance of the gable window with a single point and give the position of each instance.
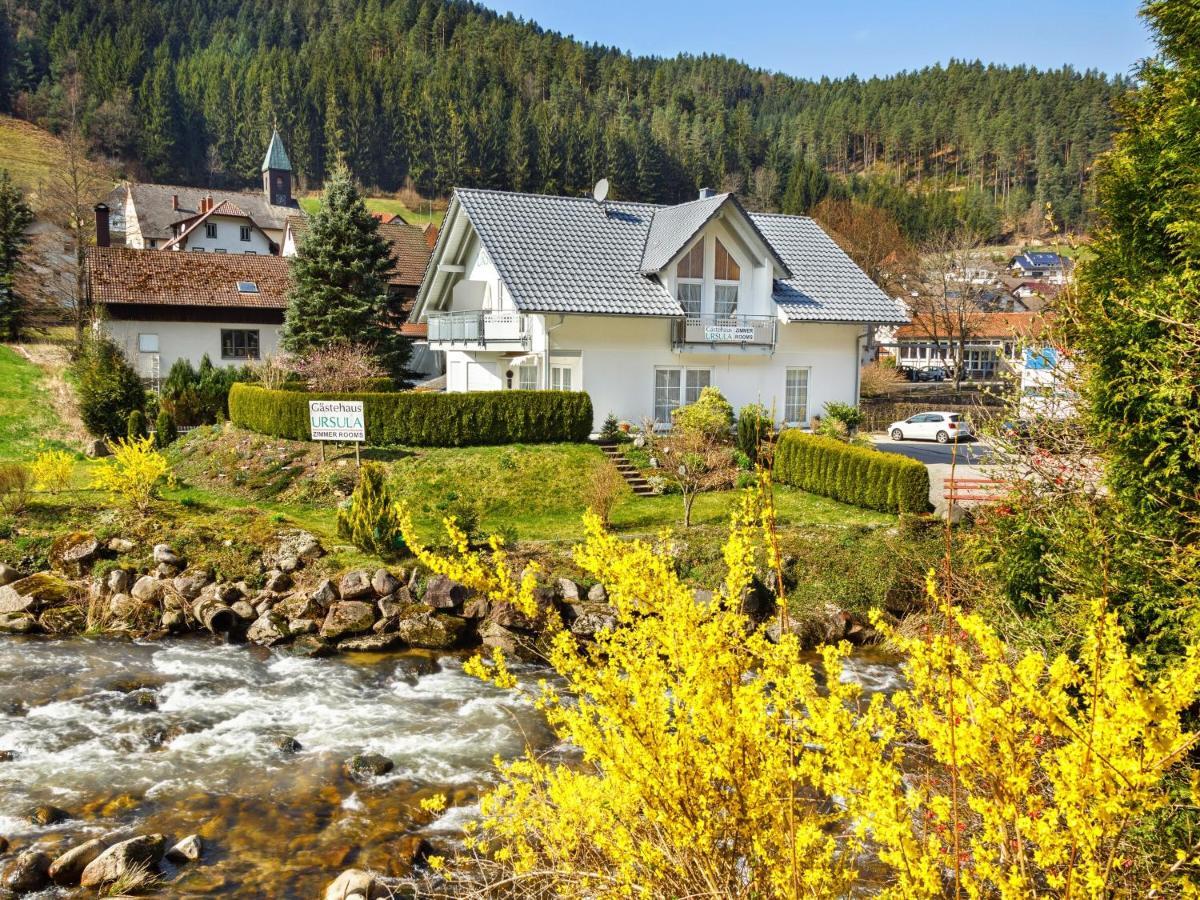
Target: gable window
(239, 343)
(795, 397)
(676, 387)
(527, 376)
(244, 232)
(210, 229)
(689, 277)
(726, 274)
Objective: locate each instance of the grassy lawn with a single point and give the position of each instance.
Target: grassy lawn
(26, 151)
(28, 422)
(386, 205)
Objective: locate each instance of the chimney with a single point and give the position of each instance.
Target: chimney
(174, 201)
(102, 238)
(431, 235)
(705, 193)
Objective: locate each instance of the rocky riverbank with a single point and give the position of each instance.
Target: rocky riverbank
(290, 601)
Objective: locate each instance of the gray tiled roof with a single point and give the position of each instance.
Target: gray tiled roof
(156, 215)
(673, 226)
(825, 284)
(570, 255)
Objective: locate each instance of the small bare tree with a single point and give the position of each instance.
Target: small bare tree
(339, 368)
(603, 489)
(948, 306)
(697, 461)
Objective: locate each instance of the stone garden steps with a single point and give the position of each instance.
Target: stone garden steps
(639, 485)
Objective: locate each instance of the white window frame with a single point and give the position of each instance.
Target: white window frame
(562, 377)
(682, 391)
(722, 286)
(527, 377)
(147, 346)
(788, 406)
(693, 307)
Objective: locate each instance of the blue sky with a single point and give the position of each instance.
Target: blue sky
(866, 37)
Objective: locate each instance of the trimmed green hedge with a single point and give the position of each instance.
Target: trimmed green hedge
(868, 478)
(419, 419)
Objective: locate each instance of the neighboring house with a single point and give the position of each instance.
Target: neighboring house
(155, 215)
(160, 307)
(1048, 267)
(1045, 384)
(222, 228)
(993, 348)
(642, 306)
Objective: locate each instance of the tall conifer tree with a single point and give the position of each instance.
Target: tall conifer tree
(339, 280)
(15, 218)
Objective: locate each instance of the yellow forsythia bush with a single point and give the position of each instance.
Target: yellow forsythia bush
(52, 469)
(135, 472)
(713, 762)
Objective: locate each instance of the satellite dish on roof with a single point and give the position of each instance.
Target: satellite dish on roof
(600, 191)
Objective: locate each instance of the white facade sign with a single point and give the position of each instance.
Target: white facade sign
(337, 420)
(728, 334)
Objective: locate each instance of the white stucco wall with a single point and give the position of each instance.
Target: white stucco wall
(189, 340)
(228, 237)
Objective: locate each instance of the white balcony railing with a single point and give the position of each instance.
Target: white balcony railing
(726, 330)
(477, 327)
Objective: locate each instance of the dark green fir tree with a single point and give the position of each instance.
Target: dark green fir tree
(339, 280)
(15, 218)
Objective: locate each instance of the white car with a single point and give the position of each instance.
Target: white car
(942, 427)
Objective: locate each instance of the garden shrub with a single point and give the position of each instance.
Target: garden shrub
(846, 413)
(862, 477)
(108, 387)
(134, 473)
(52, 470)
(200, 396)
(371, 520)
(611, 433)
(421, 419)
(711, 414)
(135, 425)
(165, 431)
(753, 430)
(15, 483)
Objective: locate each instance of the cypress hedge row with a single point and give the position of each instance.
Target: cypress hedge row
(426, 419)
(868, 478)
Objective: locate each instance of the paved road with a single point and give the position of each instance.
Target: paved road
(967, 452)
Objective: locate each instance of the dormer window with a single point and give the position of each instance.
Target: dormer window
(727, 275)
(689, 277)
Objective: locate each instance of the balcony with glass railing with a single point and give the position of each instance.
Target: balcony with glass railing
(725, 333)
(477, 329)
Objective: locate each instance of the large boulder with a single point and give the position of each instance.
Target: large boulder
(587, 618)
(8, 574)
(326, 594)
(298, 546)
(68, 868)
(34, 593)
(74, 553)
(364, 766)
(118, 581)
(277, 582)
(311, 646)
(348, 617)
(569, 590)
(148, 589)
(384, 583)
(190, 585)
(370, 643)
(187, 850)
(268, 629)
(17, 623)
(299, 607)
(442, 593)
(121, 859)
(164, 555)
(428, 630)
(356, 585)
(356, 884)
(27, 872)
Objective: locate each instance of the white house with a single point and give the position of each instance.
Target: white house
(154, 216)
(160, 307)
(1049, 267)
(642, 305)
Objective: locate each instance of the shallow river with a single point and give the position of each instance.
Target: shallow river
(182, 736)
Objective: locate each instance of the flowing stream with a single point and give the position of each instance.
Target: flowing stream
(183, 736)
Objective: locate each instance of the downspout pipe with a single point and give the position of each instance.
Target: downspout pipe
(858, 352)
(546, 353)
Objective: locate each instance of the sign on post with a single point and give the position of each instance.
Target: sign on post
(337, 420)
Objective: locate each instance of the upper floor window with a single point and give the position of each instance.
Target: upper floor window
(210, 229)
(690, 281)
(727, 274)
(245, 232)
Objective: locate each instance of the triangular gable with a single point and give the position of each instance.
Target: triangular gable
(674, 227)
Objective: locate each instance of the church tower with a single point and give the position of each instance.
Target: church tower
(277, 173)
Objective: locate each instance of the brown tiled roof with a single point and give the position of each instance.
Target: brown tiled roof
(983, 325)
(179, 278)
(408, 247)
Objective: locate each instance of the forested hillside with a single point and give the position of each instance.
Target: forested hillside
(438, 93)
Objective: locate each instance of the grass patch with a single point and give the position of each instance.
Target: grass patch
(28, 422)
(26, 151)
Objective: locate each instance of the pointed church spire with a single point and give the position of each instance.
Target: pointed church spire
(276, 157)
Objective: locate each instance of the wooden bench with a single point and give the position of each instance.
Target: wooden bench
(981, 490)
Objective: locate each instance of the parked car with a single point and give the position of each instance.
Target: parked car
(942, 427)
(935, 373)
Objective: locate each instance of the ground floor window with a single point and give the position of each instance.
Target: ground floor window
(795, 396)
(677, 387)
(560, 378)
(527, 376)
(239, 343)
